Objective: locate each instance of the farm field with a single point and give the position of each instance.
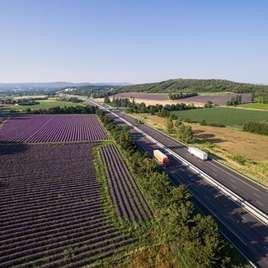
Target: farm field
(54, 216)
(127, 198)
(51, 199)
(254, 106)
(31, 97)
(142, 95)
(52, 128)
(226, 116)
(226, 143)
(43, 104)
(200, 100)
(166, 102)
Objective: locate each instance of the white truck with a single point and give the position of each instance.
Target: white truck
(198, 153)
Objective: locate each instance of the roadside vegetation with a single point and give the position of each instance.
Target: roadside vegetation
(133, 107)
(178, 229)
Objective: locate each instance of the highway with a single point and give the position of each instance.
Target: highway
(247, 232)
(250, 191)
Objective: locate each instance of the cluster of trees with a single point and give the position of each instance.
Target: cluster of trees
(209, 104)
(256, 127)
(177, 221)
(27, 102)
(261, 97)
(65, 110)
(119, 102)
(182, 132)
(22, 101)
(181, 95)
(7, 101)
(205, 123)
(236, 100)
(74, 100)
(94, 91)
(132, 107)
(120, 134)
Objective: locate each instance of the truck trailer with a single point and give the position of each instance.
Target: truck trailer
(198, 153)
(160, 158)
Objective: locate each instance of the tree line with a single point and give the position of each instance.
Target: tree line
(181, 95)
(65, 110)
(133, 107)
(177, 222)
(236, 100)
(256, 127)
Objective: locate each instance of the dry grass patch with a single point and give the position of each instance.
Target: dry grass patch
(252, 146)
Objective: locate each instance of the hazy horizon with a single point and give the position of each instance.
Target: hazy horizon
(121, 82)
(133, 41)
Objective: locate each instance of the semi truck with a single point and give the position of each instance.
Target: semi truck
(160, 158)
(198, 153)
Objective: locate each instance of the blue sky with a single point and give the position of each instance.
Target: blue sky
(133, 41)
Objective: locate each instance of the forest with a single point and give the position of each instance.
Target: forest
(196, 85)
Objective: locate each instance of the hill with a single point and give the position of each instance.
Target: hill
(195, 85)
(18, 87)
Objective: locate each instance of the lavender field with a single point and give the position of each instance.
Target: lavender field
(217, 99)
(52, 128)
(51, 210)
(127, 198)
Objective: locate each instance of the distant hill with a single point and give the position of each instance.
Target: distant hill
(195, 85)
(50, 86)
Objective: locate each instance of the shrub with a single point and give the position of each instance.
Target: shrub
(216, 125)
(256, 127)
(185, 133)
(240, 159)
(203, 123)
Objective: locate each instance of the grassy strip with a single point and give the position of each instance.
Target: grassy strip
(137, 231)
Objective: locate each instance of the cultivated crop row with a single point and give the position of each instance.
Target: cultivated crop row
(126, 196)
(52, 128)
(51, 210)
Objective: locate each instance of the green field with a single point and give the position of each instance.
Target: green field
(226, 116)
(260, 106)
(43, 104)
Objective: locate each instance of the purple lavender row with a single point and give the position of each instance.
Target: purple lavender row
(17, 129)
(50, 202)
(52, 128)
